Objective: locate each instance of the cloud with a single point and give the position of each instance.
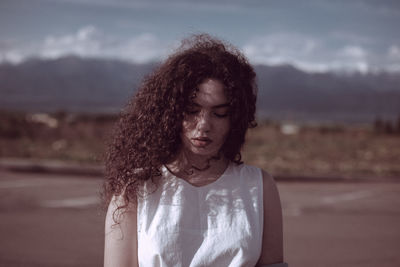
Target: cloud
(279, 48)
(13, 56)
(352, 57)
(141, 49)
(353, 51)
(394, 52)
(285, 48)
(89, 41)
(86, 41)
(393, 58)
(9, 52)
(309, 53)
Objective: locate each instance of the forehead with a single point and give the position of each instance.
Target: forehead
(210, 92)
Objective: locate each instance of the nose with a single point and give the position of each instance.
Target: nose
(204, 122)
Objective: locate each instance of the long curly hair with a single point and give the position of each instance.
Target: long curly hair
(147, 134)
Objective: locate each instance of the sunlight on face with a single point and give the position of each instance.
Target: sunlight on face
(206, 123)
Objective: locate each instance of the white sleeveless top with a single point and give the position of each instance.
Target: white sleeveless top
(219, 224)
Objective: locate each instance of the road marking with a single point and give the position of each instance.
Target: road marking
(297, 210)
(78, 202)
(26, 183)
(346, 197)
(38, 182)
(293, 211)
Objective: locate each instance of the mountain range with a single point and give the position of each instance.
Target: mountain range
(75, 84)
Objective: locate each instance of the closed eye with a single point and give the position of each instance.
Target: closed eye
(192, 110)
(221, 115)
(221, 111)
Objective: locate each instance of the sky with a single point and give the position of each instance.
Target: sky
(313, 35)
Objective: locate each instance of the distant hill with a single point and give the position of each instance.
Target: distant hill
(287, 92)
(99, 85)
(70, 83)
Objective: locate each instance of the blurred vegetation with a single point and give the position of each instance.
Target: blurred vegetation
(326, 150)
(62, 136)
(282, 148)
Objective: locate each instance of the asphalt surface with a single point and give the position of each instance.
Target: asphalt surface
(341, 224)
(54, 219)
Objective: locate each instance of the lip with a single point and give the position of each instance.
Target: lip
(201, 141)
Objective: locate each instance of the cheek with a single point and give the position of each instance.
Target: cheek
(223, 128)
(187, 127)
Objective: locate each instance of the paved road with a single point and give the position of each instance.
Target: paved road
(341, 224)
(56, 220)
(48, 220)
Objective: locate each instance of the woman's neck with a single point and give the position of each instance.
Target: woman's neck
(198, 169)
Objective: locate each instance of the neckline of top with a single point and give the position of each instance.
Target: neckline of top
(218, 180)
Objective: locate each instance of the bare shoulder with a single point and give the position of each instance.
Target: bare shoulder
(272, 241)
(271, 199)
(267, 178)
(118, 212)
(270, 189)
(120, 234)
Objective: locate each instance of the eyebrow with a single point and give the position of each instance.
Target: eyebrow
(217, 106)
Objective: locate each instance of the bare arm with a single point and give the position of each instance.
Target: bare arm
(272, 240)
(120, 249)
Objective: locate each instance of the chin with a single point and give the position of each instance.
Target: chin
(204, 152)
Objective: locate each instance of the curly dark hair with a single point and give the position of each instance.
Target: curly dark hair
(147, 134)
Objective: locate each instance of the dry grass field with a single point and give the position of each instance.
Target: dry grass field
(280, 148)
(324, 151)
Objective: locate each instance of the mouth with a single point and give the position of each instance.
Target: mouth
(201, 141)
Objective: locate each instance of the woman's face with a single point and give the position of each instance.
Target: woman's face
(206, 123)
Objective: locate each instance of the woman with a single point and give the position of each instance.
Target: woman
(177, 190)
